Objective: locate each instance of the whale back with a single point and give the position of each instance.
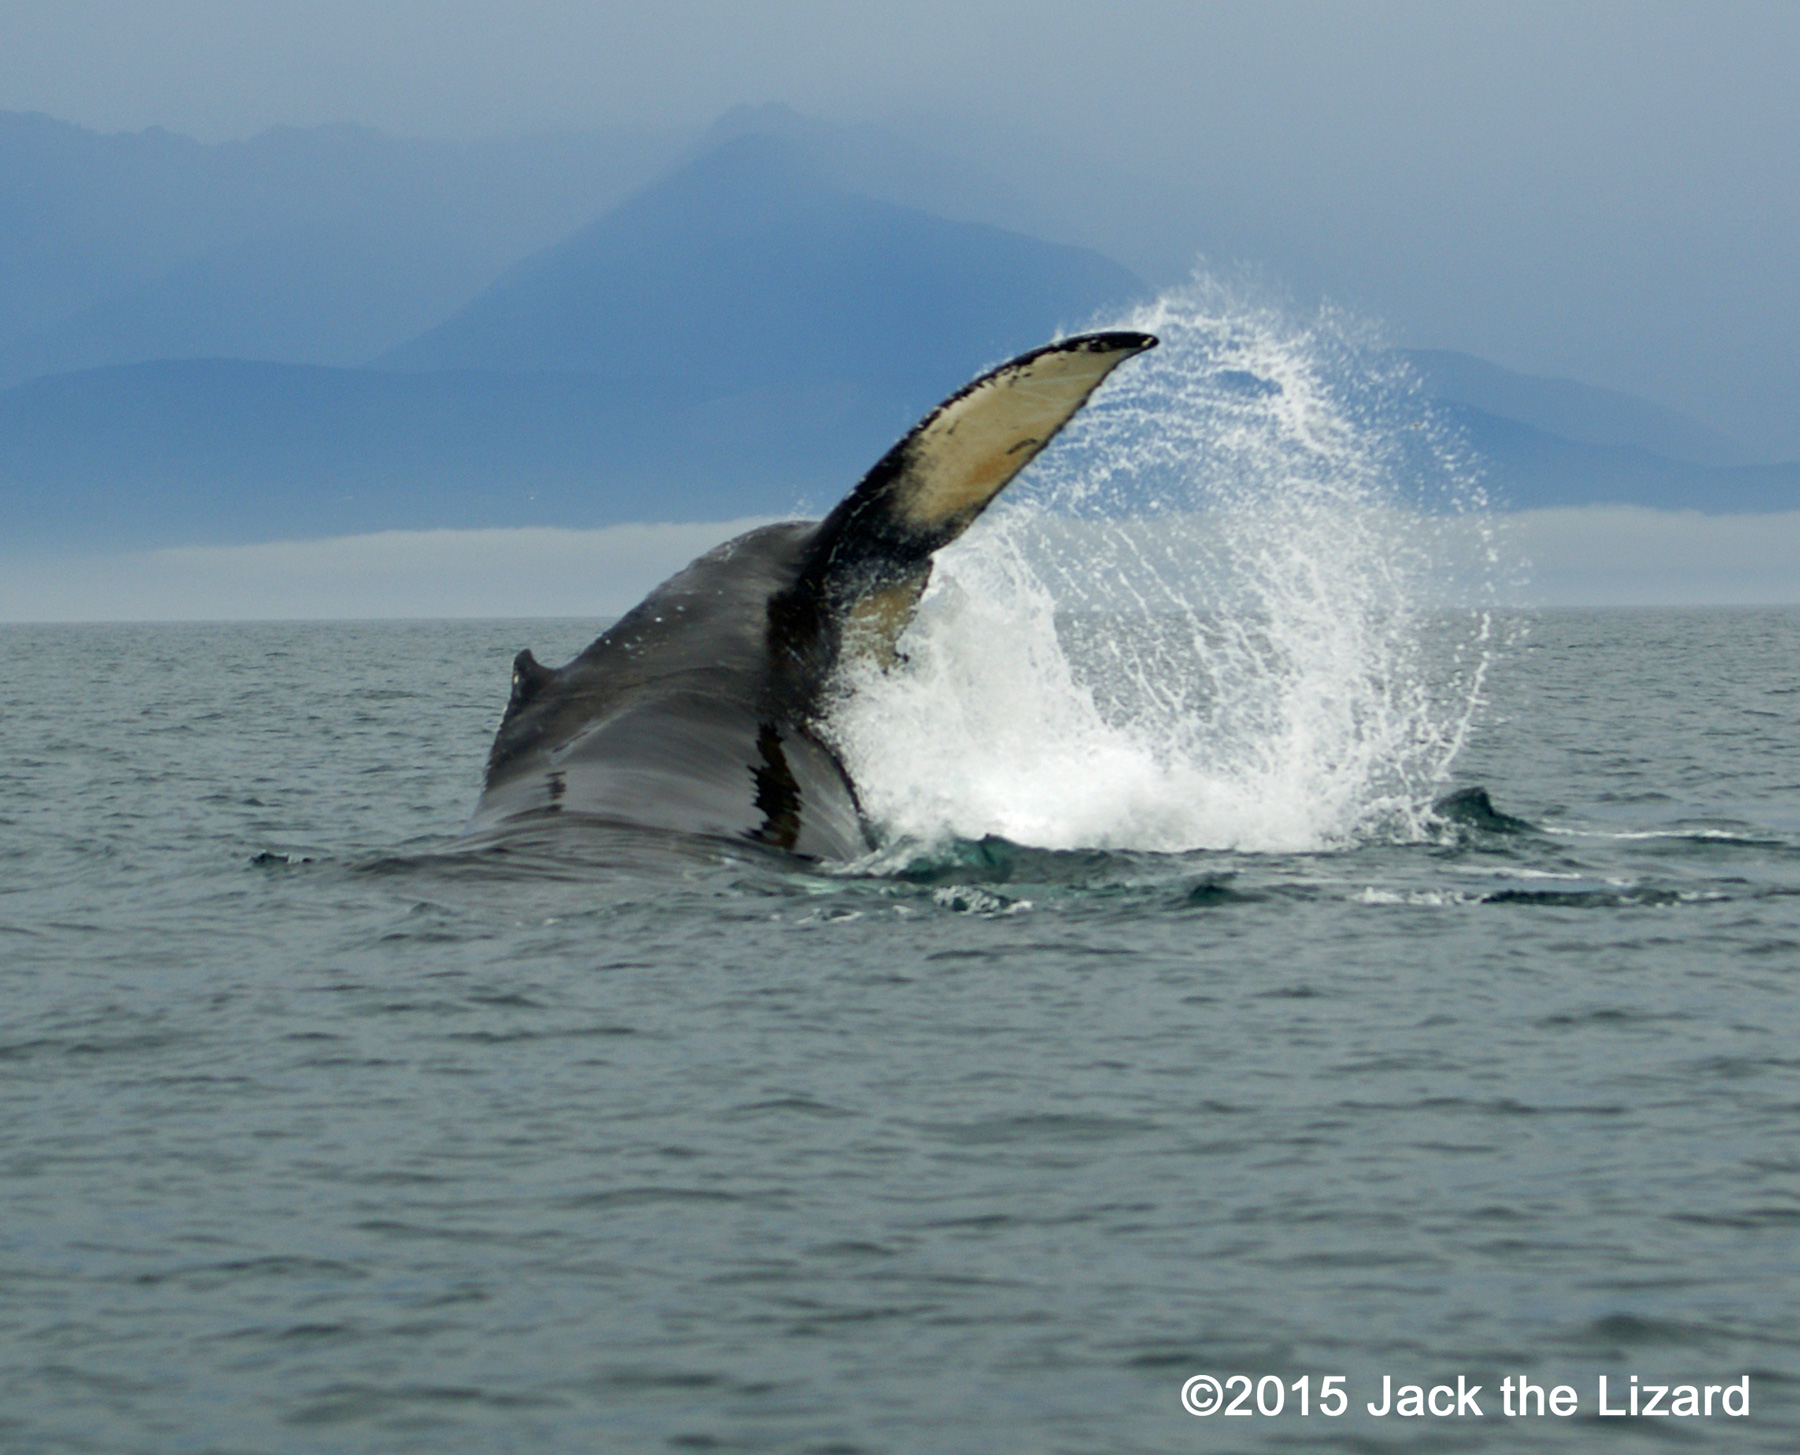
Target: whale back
(679, 716)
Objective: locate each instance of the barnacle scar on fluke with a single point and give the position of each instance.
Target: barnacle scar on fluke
(696, 713)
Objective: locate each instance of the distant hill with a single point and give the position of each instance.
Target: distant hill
(876, 162)
(1528, 469)
(747, 267)
(333, 244)
(737, 339)
(325, 293)
(1554, 442)
(1578, 412)
(226, 451)
(323, 245)
(742, 336)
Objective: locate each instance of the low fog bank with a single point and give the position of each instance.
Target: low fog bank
(1626, 555)
(1592, 556)
(528, 572)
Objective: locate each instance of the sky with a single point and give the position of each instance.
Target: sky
(1606, 191)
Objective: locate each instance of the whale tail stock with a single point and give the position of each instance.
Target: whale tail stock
(868, 562)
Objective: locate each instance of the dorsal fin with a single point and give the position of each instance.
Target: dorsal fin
(528, 678)
(876, 547)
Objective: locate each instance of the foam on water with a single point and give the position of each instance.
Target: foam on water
(1203, 620)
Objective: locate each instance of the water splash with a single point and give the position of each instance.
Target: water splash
(1207, 619)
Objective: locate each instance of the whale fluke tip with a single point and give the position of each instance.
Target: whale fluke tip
(1113, 341)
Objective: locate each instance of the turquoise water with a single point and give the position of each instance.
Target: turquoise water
(323, 1137)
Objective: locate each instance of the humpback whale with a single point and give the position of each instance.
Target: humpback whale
(698, 711)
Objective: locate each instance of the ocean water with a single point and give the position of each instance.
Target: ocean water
(322, 1136)
(1266, 971)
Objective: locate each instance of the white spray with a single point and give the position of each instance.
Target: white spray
(1204, 620)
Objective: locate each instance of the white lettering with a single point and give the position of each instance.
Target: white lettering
(1603, 1409)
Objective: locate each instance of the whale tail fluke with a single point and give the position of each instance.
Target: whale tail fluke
(869, 560)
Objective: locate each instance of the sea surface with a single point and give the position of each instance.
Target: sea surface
(321, 1135)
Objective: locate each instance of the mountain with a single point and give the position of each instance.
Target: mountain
(228, 451)
(1526, 468)
(314, 293)
(1555, 442)
(322, 245)
(737, 338)
(744, 335)
(1578, 412)
(878, 163)
(85, 216)
(748, 267)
